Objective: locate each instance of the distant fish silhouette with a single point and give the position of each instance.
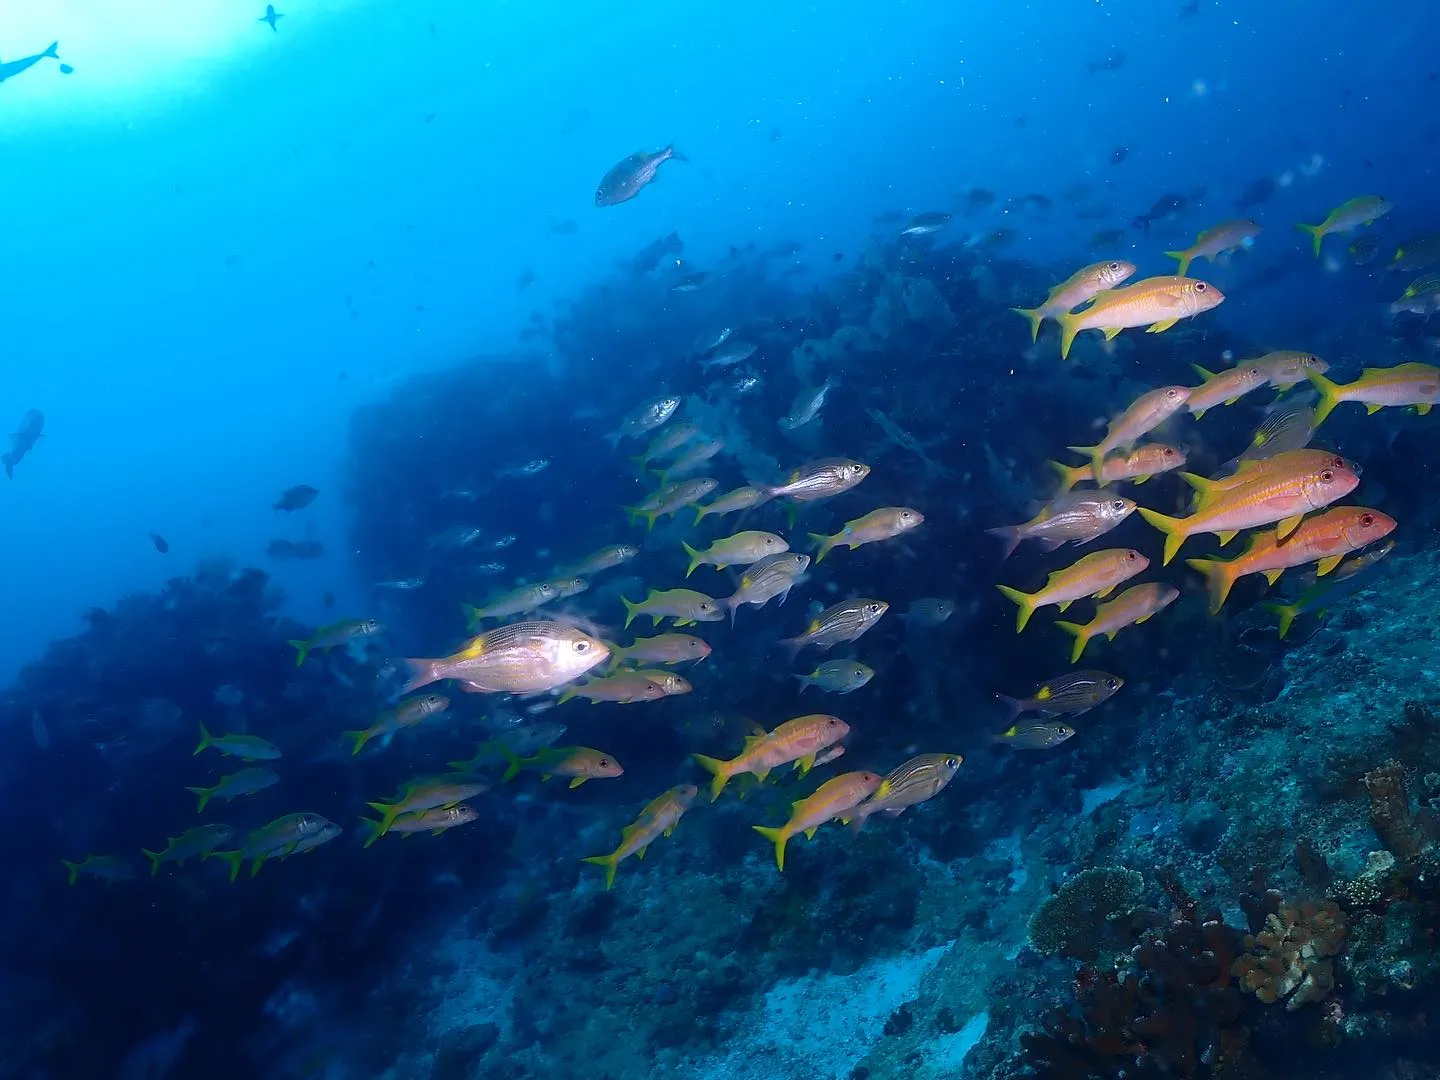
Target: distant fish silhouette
(31, 427)
(271, 16)
(160, 544)
(15, 67)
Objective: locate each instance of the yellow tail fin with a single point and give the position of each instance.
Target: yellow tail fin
(206, 739)
(1317, 234)
(696, 558)
(1068, 329)
(1184, 257)
(719, 770)
(1329, 396)
(1024, 601)
(609, 862)
(1082, 638)
(302, 650)
(154, 857)
(1070, 475)
(1173, 528)
(1219, 579)
(779, 837)
(1033, 316)
(823, 544)
(204, 794)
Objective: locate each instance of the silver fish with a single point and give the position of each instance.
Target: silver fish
(819, 480)
(841, 622)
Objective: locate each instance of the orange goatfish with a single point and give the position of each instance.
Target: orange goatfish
(1130, 608)
(658, 819)
(1376, 388)
(1096, 575)
(1145, 414)
(1077, 289)
(1160, 302)
(1281, 498)
(1138, 465)
(798, 740)
(1324, 539)
(833, 799)
(1225, 388)
(1248, 472)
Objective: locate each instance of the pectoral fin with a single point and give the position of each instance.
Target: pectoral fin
(1325, 565)
(1287, 526)
(1161, 326)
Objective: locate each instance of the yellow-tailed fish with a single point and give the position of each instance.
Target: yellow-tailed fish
(833, 799)
(1140, 417)
(1225, 387)
(327, 637)
(1157, 303)
(685, 607)
(881, 524)
(799, 741)
(1133, 606)
(741, 549)
(1378, 388)
(658, 819)
(1347, 217)
(1079, 288)
(1227, 236)
(1137, 466)
(1097, 575)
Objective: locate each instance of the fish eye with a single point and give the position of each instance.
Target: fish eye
(1115, 266)
(1172, 393)
(832, 721)
(1327, 476)
(604, 763)
(1255, 373)
(1112, 684)
(1131, 556)
(1199, 286)
(1167, 452)
(1367, 520)
(582, 646)
(707, 606)
(951, 763)
(872, 608)
(1117, 504)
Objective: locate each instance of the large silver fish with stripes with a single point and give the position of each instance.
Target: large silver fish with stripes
(839, 623)
(917, 780)
(820, 480)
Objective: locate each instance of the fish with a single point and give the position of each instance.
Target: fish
(741, 498)
(685, 607)
(428, 793)
(728, 355)
(926, 224)
(280, 838)
(671, 499)
(629, 176)
(11, 68)
(271, 17)
(978, 198)
(1157, 303)
(833, 799)
(929, 611)
(160, 543)
(1324, 539)
(839, 623)
(1378, 388)
(1285, 368)
(566, 587)
(32, 426)
(401, 584)
(406, 714)
(1079, 288)
(435, 821)
(192, 843)
(1278, 492)
(1224, 388)
(607, 558)
(882, 524)
(807, 405)
(796, 741)
(1119, 154)
(1070, 694)
(1097, 575)
(327, 637)
(672, 438)
(519, 601)
(1225, 237)
(694, 457)
(659, 818)
(245, 747)
(1162, 209)
(579, 763)
(820, 479)
(522, 740)
(1364, 249)
(1137, 466)
(1075, 516)
(772, 576)
(107, 868)
(671, 684)
(645, 417)
(692, 282)
(1142, 416)
(1034, 736)
(1350, 575)
(837, 676)
(244, 782)
(521, 658)
(916, 781)
(529, 468)
(1418, 254)
(1424, 285)
(624, 688)
(741, 549)
(1347, 217)
(1284, 430)
(296, 498)
(1133, 606)
(661, 649)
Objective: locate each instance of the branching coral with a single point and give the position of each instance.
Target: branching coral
(1290, 959)
(1074, 919)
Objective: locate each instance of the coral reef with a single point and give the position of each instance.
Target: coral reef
(1073, 922)
(1290, 960)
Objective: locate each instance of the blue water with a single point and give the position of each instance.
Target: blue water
(361, 251)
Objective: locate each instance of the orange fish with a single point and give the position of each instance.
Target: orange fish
(798, 740)
(1224, 388)
(1138, 465)
(1324, 539)
(832, 799)
(1160, 302)
(1249, 471)
(1379, 388)
(1281, 498)
(1096, 575)
(1145, 414)
(1077, 289)
(658, 819)
(1130, 608)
